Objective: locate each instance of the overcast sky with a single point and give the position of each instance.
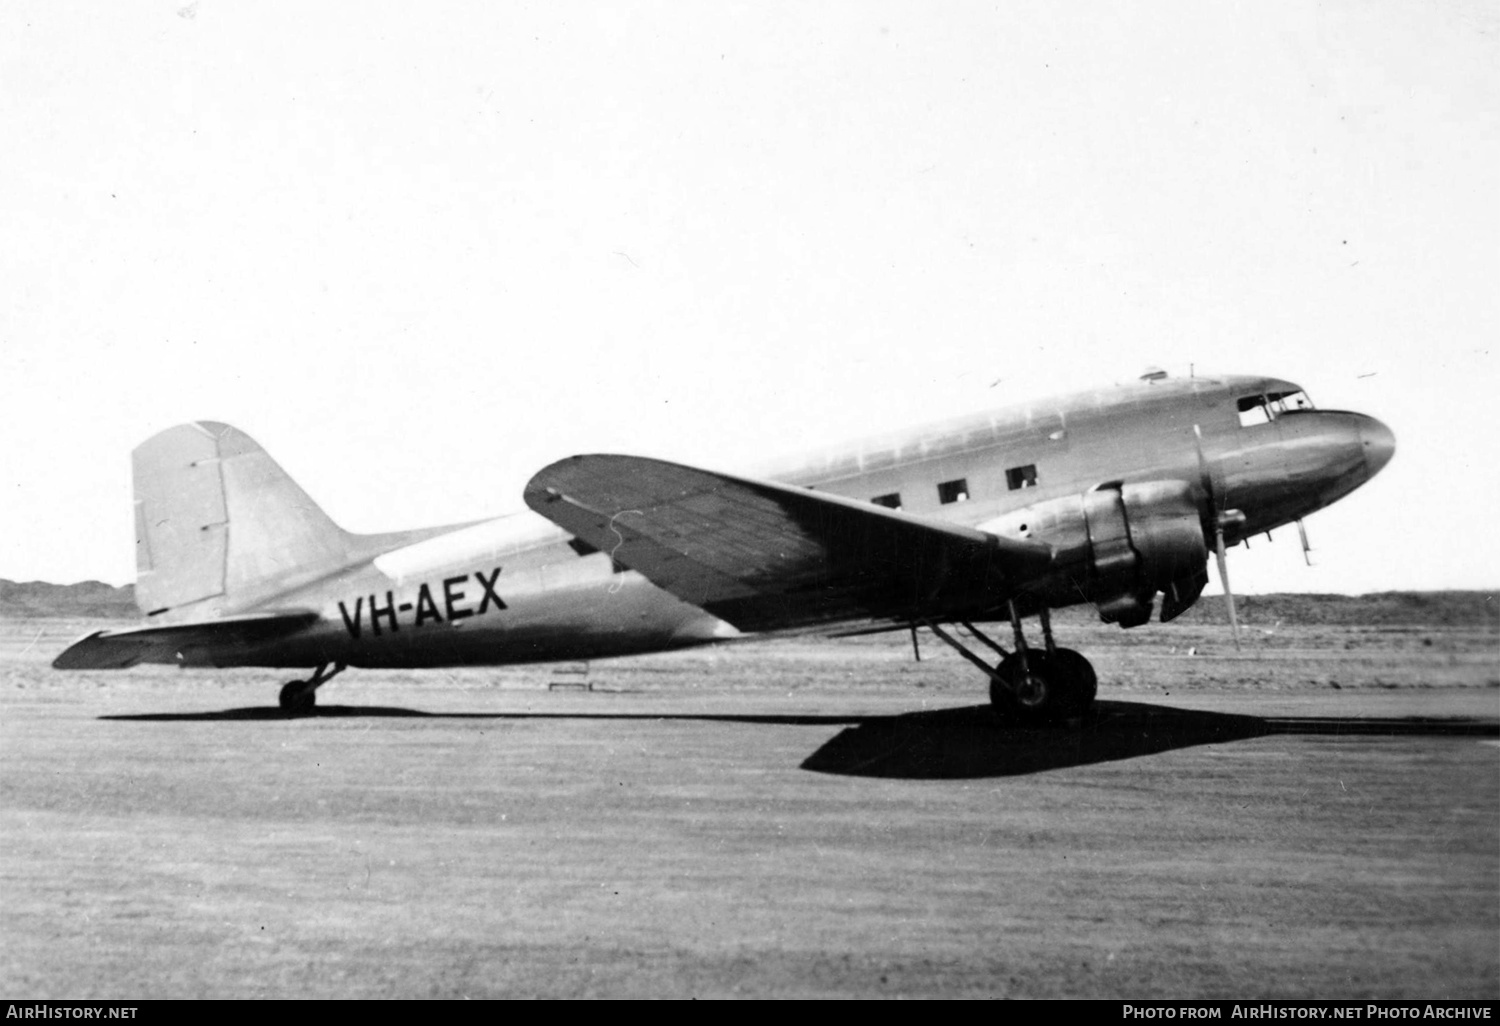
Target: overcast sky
(420, 250)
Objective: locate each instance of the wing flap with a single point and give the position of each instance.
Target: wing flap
(117, 650)
(764, 555)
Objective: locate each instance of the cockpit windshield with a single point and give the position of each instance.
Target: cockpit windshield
(1262, 409)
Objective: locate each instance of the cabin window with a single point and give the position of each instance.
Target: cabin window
(1017, 478)
(891, 500)
(953, 491)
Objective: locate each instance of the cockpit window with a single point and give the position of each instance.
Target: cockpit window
(1262, 409)
(1253, 410)
(1288, 402)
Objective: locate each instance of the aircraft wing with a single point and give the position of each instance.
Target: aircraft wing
(116, 650)
(767, 556)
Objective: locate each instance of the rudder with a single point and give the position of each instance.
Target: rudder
(220, 526)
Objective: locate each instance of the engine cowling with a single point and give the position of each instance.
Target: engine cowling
(1117, 545)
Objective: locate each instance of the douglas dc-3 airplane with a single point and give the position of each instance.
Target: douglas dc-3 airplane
(1106, 497)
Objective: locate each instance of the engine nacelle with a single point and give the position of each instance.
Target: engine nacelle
(1116, 545)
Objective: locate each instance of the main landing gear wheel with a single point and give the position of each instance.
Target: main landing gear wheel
(297, 698)
(1048, 685)
(1080, 672)
(1044, 688)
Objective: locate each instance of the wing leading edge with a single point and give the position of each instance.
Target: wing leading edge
(768, 556)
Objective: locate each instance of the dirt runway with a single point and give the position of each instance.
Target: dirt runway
(1316, 817)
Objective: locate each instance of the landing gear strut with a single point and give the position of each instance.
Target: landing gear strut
(301, 696)
(1031, 685)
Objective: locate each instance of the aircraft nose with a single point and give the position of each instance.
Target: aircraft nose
(1379, 445)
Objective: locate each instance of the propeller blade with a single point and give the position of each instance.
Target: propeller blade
(1215, 517)
(1234, 620)
(1306, 548)
(1207, 478)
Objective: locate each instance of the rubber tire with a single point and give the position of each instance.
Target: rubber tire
(1063, 685)
(297, 699)
(1083, 681)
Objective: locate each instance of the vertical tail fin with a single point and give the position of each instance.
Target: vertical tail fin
(219, 526)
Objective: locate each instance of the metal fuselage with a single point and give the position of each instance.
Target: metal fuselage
(514, 590)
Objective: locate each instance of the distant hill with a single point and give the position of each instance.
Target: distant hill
(94, 599)
(1384, 608)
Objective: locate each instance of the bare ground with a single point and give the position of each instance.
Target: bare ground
(1317, 816)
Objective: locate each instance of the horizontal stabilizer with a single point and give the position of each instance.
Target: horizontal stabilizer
(769, 556)
(116, 650)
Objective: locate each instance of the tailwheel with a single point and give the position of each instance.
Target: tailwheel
(300, 697)
(297, 698)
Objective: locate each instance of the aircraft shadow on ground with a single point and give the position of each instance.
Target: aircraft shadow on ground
(962, 743)
(968, 743)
